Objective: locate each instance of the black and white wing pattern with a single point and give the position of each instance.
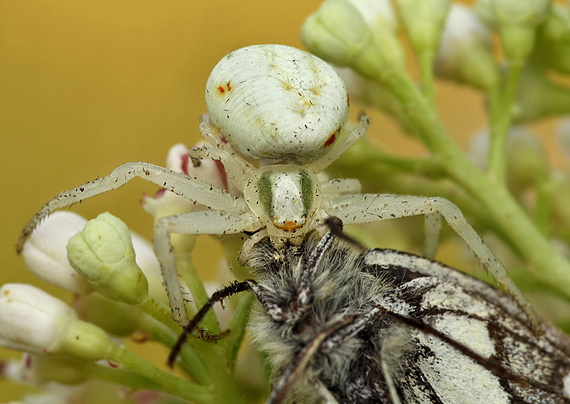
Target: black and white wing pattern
(451, 338)
(382, 326)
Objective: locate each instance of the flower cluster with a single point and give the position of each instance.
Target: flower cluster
(511, 191)
(72, 351)
(504, 185)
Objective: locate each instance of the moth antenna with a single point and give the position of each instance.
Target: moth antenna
(218, 296)
(335, 226)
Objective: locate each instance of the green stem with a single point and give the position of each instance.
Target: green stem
(122, 377)
(190, 361)
(168, 382)
(546, 262)
(544, 191)
(160, 312)
(194, 282)
(406, 165)
(237, 326)
(501, 117)
(426, 69)
(549, 265)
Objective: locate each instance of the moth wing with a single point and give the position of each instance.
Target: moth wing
(421, 368)
(499, 358)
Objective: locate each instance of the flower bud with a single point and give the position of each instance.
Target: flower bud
(423, 21)
(538, 97)
(516, 22)
(526, 159)
(340, 34)
(103, 254)
(46, 255)
(150, 266)
(553, 41)
(465, 53)
(33, 321)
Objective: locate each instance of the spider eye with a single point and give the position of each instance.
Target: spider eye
(276, 104)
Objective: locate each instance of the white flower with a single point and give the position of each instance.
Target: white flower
(378, 14)
(465, 53)
(166, 203)
(19, 371)
(30, 318)
(46, 255)
(33, 321)
(103, 253)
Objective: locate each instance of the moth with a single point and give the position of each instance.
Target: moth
(342, 324)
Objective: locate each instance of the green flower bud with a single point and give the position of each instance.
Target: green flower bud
(103, 253)
(370, 92)
(553, 41)
(84, 340)
(340, 34)
(423, 21)
(526, 159)
(516, 22)
(506, 12)
(538, 97)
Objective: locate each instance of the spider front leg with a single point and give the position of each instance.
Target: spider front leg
(367, 208)
(200, 222)
(343, 145)
(176, 182)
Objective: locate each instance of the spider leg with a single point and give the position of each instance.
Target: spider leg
(343, 145)
(199, 222)
(341, 186)
(190, 188)
(235, 165)
(367, 208)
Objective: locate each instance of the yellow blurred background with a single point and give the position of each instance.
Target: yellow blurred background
(88, 85)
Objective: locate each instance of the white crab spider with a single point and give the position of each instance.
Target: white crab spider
(280, 110)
